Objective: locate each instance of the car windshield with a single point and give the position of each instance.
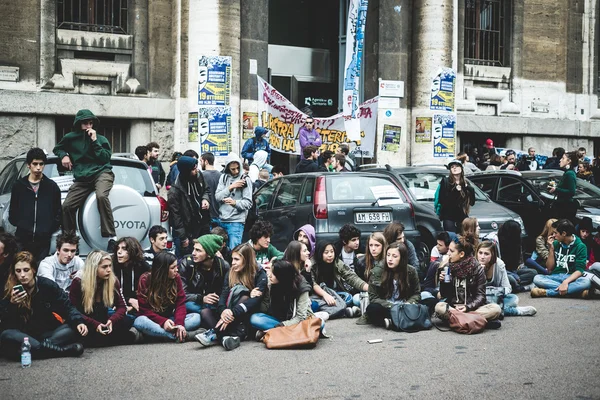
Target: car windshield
(423, 185)
(135, 178)
(584, 189)
(350, 188)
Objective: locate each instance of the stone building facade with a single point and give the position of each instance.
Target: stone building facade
(527, 71)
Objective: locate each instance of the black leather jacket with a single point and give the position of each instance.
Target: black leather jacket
(193, 280)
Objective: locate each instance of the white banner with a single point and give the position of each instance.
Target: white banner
(355, 33)
(279, 115)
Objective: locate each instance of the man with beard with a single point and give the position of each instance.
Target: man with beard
(158, 173)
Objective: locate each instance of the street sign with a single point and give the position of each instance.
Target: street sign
(391, 88)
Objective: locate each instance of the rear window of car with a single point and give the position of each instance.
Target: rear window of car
(347, 188)
(424, 185)
(583, 191)
(135, 178)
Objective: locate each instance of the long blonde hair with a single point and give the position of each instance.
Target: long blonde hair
(89, 282)
(548, 228)
(248, 272)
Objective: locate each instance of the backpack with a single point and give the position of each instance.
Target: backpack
(594, 276)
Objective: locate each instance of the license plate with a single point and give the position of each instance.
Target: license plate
(372, 217)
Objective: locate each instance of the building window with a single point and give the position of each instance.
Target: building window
(115, 130)
(486, 32)
(107, 16)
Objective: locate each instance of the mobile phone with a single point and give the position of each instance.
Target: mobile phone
(19, 288)
(104, 329)
(373, 341)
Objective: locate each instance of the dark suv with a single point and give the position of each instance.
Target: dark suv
(328, 201)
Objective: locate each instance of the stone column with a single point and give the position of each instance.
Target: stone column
(432, 50)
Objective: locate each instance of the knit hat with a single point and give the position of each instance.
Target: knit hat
(185, 165)
(211, 244)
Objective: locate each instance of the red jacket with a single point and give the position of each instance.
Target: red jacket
(176, 310)
(99, 314)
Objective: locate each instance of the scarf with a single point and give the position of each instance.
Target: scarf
(463, 268)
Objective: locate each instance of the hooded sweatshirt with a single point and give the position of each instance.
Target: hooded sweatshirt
(89, 158)
(260, 159)
(308, 137)
(312, 239)
(242, 196)
(258, 142)
(306, 166)
(62, 274)
(569, 257)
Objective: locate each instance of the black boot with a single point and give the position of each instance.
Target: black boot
(52, 350)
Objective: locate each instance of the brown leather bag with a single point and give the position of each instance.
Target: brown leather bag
(466, 322)
(304, 334)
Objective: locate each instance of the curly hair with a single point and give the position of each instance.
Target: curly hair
(259, 229)
(133, 248)
(347, 232)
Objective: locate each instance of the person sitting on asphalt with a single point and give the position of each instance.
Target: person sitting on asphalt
(234, 195)
(297, 254)
(162, 303)
(509, 249)
(438, 253)
(374, 257)
(309, 164)
(584, 231)
(260, 240)
(441, 247)
(465, 292)
(129, 266)
(394, 232)
(306, 235)
(202, 275)
(225, 251)
(243, 290)
(396, 283)
(29, 308)
(158, 243)
(539, 257)
(496, 276)
(566, 264)
(95, 291)
(62, 266)
(8, 249)
(288, 301)
(329, 273)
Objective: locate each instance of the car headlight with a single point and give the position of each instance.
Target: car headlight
(595, 218)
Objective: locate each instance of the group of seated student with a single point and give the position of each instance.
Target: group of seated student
(135, 294)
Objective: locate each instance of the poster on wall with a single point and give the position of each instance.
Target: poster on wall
(391, 138)
(442, 91)
(214, 127)
(423, 130)
(283, 119)
(249, 121)
(193, 127)
(444, 135)
(214, 80)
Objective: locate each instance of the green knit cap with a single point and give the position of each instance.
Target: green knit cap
(211, 244)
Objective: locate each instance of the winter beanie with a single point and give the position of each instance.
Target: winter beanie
(185, 165)
(211, 244)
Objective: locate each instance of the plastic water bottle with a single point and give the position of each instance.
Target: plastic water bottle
(26, 353)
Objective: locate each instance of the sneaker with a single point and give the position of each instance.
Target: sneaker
(110, 248)
(207, 339)
(495, 324)
(231, 342)
(191, 335)
(136, 336)
(538, 292)
(323, 315)
(352, 312)
(527, 310)
(388, 323)
(259, 335)
(529, 287)
(363, 320)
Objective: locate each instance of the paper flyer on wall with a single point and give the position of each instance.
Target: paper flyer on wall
(423, 130)
(214, 80)
(442, 91)
(214, 126)
(444, 135)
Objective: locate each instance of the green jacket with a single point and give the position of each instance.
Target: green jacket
(341, 273)
(89, 158)
(566, 187)
(569, 258)
(377, 293)
(265, 255)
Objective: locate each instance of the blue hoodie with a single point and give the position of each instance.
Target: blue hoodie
(258, 142)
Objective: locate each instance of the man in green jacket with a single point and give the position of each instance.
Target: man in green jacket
(88, 156)
(260, 240)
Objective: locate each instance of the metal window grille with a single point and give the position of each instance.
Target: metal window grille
(485, 30)
(115, 130)
(109, 16)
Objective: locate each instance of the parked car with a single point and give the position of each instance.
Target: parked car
(526, 193)
(421, 183)
(135, 204)
(328, 201)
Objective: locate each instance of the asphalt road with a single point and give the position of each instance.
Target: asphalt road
(553, 355)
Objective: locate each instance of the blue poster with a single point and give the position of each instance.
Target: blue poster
(214, 81)
(442, 91)
(444, 135)
(214, 128)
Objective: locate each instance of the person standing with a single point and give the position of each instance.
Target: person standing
(188, 205)
(565, 205)
(35, 207)
(327, 161)
(211, 177)
(309, 136)
(258, 142)
(143, 155)
(88, 155)
(158, 173)
(454, 198)
(344, 149)
(309, 163)
(511, 159)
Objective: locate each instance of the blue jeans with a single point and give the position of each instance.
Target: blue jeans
(552, 282)
(356, 300)
(263, 322)
(235, 231)
(193, 307)
(531, 263)
(511, 301)
(214, 222)
(347, 297)
(151, 328)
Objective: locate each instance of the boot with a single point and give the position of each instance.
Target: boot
(71, 350)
